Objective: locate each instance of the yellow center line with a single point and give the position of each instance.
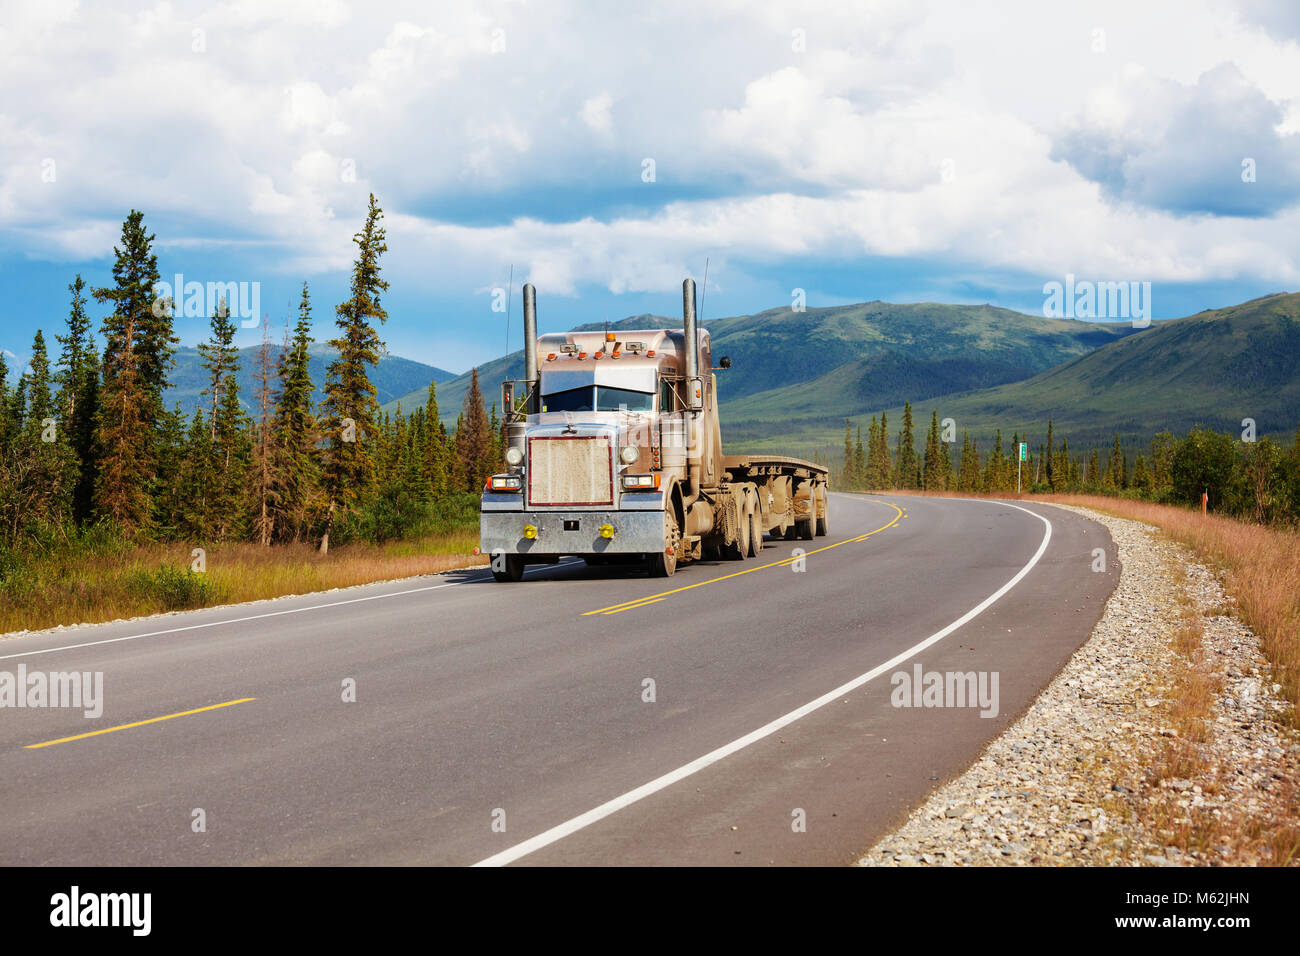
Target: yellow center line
(629, 605)
(138, 723)
(639, 604)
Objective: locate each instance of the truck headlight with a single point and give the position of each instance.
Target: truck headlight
(505, 483)
(630, 454)
(640, 482)
(514, 456)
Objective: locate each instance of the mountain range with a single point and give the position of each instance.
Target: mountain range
(797, 375)
(393, 377)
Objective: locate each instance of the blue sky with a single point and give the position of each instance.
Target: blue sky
(899, 151)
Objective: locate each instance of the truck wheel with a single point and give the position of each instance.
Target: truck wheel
(826, 514)
(755, 535)
(792, 532)
(738, 550)
(514, 569)
(808, 528)
(663, 564)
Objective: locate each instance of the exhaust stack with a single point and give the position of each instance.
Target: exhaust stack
(693, 384)
(530, 346)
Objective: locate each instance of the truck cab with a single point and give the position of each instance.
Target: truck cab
(614, 454)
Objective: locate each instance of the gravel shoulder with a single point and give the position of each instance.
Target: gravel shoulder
(1106, 768)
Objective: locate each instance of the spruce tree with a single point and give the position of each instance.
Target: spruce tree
(78, 399)
(350, 397)
(1115, 471)
(220, 358)
(906, 470)
(434, 464)
(473, 439)
(6, 436)
(268, 456)
(296, 481)
(496, 452)
(1141, 477)
(859, 461)
(48, 469)
(1048, 458)
(40, 403)
(930, 477)
(231, 456)
(194, 505)
(884, 462)
(847, 477)
(169, 505)
(967, 471)
(994, 471)
(871, 477)
(138, 350)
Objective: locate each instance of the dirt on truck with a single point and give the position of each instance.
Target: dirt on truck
(614, 455)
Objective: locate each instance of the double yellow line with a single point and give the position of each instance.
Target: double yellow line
(656, 598)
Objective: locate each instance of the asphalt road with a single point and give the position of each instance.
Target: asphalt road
(514, 722)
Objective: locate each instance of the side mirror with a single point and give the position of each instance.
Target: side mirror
(724, 362)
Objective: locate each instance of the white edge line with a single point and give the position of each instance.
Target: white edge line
(569, 827)
(258, 617)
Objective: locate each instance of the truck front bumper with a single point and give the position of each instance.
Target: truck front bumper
(572, 532)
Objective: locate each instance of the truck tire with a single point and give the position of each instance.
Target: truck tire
(739, 549)
(807, 528)
(514, 569)
(663, 564)
(755, 535)
(824, 521)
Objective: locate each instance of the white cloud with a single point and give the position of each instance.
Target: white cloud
(596, 113)
(900, 129)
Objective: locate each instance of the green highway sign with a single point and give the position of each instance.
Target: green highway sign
(1024, 451)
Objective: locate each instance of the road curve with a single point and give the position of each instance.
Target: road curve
(736, 713)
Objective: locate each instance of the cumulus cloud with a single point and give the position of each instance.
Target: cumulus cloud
(1208, 147)
(829, 130)
(596, 113)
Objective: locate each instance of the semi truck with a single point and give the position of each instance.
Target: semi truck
(613, 454)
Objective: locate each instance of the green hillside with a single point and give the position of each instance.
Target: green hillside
(797, 376)
(820, 363)
(1213, 368)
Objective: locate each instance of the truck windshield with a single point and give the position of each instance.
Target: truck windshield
(599, 398)
(613, 399)
(569, 400)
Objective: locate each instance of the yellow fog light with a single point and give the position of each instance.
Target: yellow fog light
(607, 531)
(530, 531)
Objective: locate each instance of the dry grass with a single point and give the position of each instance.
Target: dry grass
(1260, 567)
(155, 578)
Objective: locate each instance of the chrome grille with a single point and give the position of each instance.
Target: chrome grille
(570, 471)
